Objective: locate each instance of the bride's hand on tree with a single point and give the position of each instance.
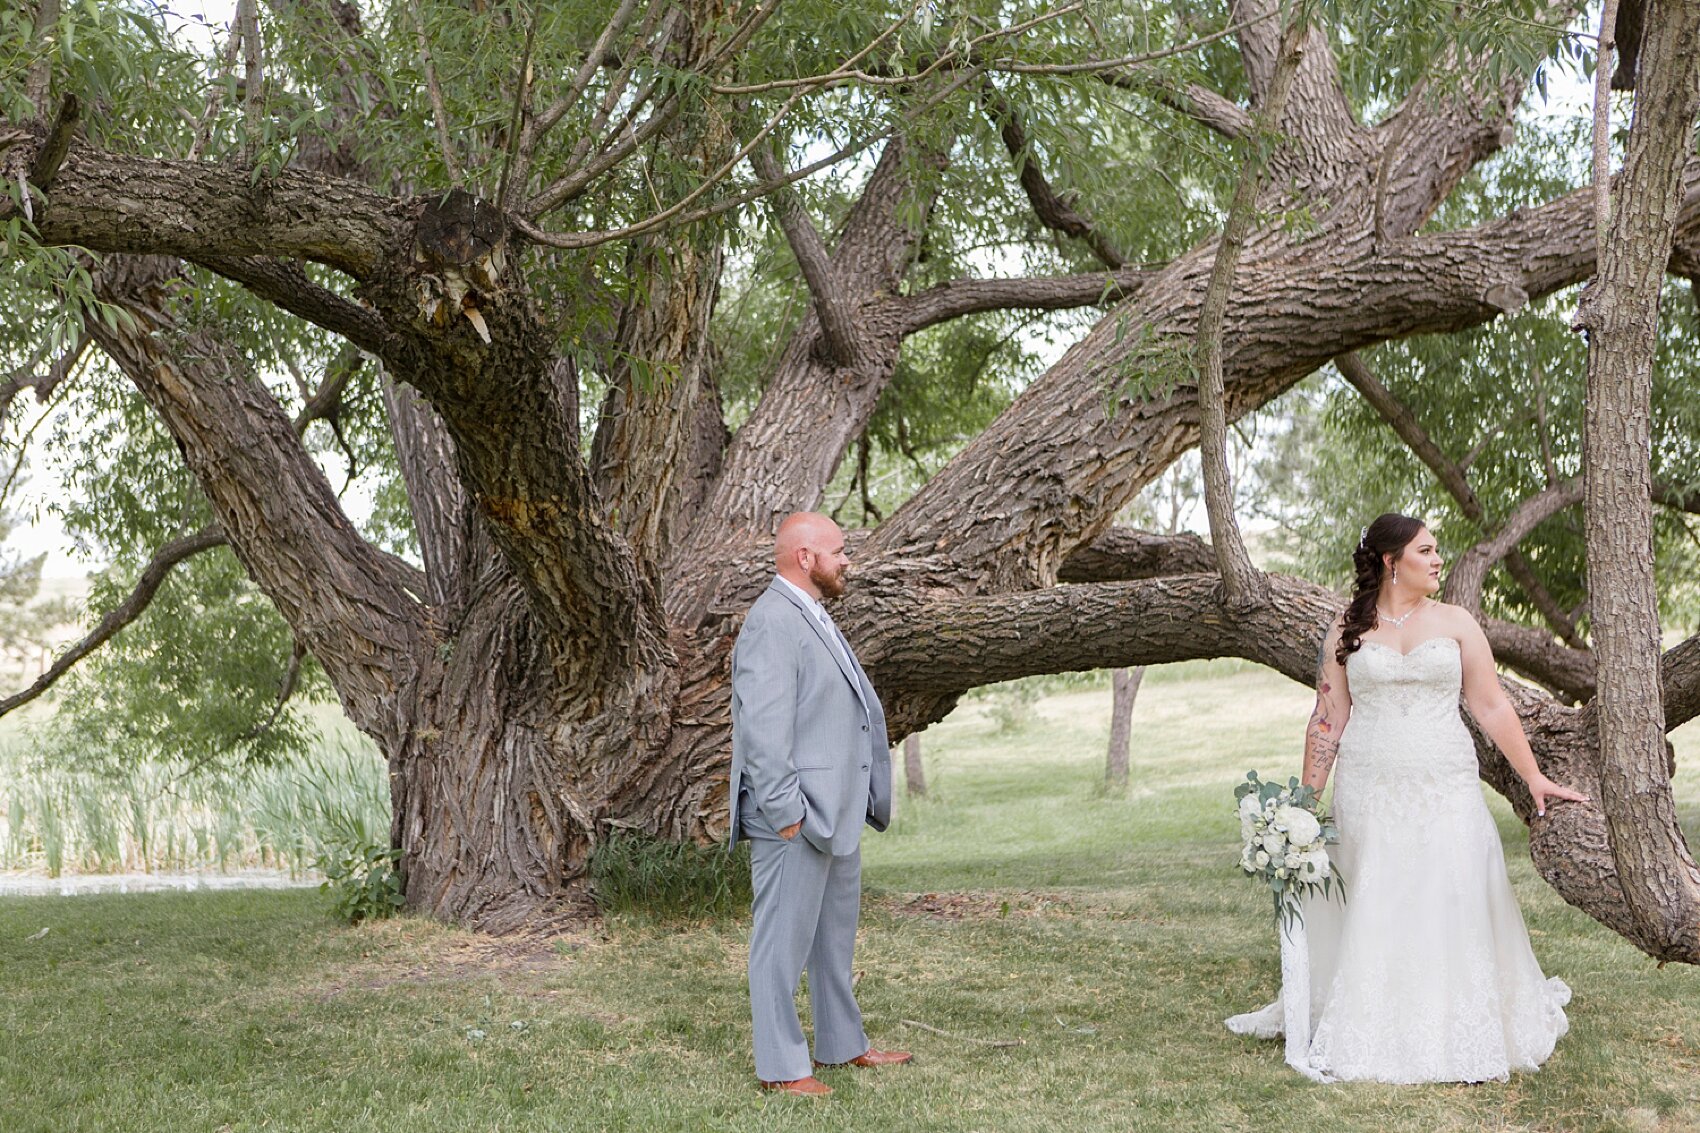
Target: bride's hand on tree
(1542, 789)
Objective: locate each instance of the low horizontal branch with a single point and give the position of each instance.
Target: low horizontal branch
(957, 644)
(1124, 554)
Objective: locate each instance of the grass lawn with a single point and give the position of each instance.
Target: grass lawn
(1106, 937)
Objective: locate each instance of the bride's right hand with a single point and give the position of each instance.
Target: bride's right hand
(1541, 789)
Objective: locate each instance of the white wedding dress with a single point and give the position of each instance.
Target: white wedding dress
(1424, 973)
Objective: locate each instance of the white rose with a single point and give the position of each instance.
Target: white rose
(1262, 859)
(1301, 826)
(1315, 863)
(1274, 841)
(1250, 812)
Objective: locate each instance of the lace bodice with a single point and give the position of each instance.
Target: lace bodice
(1422, 683)
(1397, 697)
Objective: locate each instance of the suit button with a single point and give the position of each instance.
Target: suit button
(864, 727)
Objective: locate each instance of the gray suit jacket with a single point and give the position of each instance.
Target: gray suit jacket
(808, 732)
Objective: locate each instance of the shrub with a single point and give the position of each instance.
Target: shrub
(363, 881)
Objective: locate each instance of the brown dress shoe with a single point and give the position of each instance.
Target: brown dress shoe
(802, 1087)
(872, 1057)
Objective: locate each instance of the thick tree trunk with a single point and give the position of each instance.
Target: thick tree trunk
(1659, 877)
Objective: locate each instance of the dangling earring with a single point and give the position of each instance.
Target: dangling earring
(1396, 576)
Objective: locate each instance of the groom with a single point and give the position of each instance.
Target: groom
(809, 767)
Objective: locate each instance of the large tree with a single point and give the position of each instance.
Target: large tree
(510, 223)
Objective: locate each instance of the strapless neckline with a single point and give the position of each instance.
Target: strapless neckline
(1413, 649)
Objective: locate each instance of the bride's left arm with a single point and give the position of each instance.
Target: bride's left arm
(1492, 709)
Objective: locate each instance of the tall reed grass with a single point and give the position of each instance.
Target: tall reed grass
(150, 818)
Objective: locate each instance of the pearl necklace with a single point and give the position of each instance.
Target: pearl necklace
(1396, 623)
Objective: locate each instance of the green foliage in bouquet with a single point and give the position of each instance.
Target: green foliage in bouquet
(1286, 838)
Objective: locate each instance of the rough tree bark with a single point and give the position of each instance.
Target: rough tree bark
(1242, 584)
(1619, 311)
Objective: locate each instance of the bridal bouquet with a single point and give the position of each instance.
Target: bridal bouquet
(1286, 838)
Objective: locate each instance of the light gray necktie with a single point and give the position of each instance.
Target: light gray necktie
(834, 636)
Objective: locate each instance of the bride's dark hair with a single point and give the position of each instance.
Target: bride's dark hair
(1388, 535)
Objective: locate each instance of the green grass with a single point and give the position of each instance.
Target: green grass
(1108, 936)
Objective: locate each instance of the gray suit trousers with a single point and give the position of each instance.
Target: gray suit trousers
(805, 910)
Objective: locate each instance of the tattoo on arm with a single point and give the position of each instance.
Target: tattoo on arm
(1323, 751)
(1324, 742)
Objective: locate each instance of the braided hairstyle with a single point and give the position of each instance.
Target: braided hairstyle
(1390, 534)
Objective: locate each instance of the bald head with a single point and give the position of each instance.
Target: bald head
(808, 552)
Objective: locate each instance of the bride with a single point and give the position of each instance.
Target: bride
(1424, 973)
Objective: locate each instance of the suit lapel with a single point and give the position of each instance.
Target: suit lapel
(839, 654)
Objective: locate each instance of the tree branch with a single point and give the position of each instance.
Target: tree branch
(1055, 467)
(1054, 211)
(1627, 33)
(439, 113)
(769, 471)
(285, 283)
(1427, 146)
(1243, 585)
(1619, 312)
(1452, 478)
(837, 321)
(39, 80)
(25, 377)
(202, 135)
(110, 202)
(1679, 672)
(1416, 438)
(952, 644)
(248, 20)
(1123, 554)
(700, 55)
(1464, 583)
(1602, 124)
(960, 297)
(127, 611)
(593, 61)
(52, 153)
(450, 536)
(342, 598)
(1198, 102)
(679, 214)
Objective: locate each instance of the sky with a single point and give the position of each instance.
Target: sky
(38, 532)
